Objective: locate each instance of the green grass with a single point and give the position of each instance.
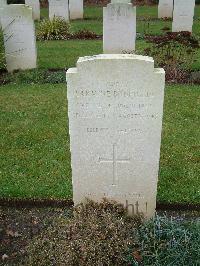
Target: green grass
(35, 157)
(64, 54)
(180, 172)
(93, 20)
(61, 54)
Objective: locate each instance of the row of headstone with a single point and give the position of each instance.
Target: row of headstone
(182, 12)
(115, 109)
(19, 30)
(119, 22)
(66, 9)
(34, 4)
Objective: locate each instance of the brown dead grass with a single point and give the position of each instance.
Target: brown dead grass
(98, 234)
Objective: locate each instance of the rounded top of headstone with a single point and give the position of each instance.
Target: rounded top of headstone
(17, 10)
(122, 62)
(117, 57)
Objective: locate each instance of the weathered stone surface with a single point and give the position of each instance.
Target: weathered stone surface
(35, 4)
(3, 3)
(183, 15)
(59, 8)
(115, 107)
(165, 8)
(76, 9)
(119, 28)
(19, 37)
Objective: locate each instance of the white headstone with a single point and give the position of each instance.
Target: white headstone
(115, 108)
(76, 9)
(119, 28)
(59, 8)
(183, 15)
(165, 8)
(3, 3)
(19, 37)
(35, 4)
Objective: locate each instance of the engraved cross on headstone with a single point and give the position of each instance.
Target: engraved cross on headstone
(114, 162)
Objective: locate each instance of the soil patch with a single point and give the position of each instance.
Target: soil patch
(18, 226)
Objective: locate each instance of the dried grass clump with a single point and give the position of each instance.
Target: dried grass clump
(98, 234)
(55, 29)
(175, 52)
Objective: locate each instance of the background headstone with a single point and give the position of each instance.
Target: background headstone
(35, 4)
(19, 37)
(165, 8)
(59, 8)
(119, 28)
(183, 15)
(115, 107)
(76, 9)
(3, 3)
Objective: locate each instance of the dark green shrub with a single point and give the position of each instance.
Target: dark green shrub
(175, 52)
(166, 241)
(55, 29)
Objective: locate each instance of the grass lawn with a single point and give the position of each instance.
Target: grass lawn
(35, 156)
(93, 20)
(34, 141)
(58, 54)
